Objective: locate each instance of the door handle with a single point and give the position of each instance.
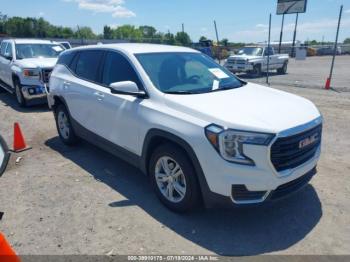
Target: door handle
(99, 95)
(66, 85)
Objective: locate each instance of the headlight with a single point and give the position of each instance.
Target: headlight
(31, 73)
(229, 143)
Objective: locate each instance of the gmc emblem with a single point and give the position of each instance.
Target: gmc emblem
(308, 141)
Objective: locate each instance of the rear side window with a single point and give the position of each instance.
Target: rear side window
(88, 64)
(117, 69)
(66, 58)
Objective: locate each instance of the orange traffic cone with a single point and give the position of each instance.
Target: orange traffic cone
(6, 252)
(328, 83)
(19, 144)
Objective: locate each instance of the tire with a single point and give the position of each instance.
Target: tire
(283, 70)
(64, 126)
(183, 185)
(257, 70)
(19, 95)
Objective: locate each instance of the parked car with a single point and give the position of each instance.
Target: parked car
(66, 45)
(328, 51)
(193, 127)
(253, 60)
(25, 67)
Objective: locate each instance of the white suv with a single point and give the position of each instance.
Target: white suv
(198, 132)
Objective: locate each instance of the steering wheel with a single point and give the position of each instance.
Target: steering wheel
(193, 79)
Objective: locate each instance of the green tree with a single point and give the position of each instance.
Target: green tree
(85, 33)
(203, 38)
(224, 42)
(183, 38)
(107, 32)
(148, 31)
(347, 41)
(169, 39)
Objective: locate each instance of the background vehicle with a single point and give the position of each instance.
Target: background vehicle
(66, 45)
(253, 60)
(198, 131)
(25, 67)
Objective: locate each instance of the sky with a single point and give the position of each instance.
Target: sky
(237, 20)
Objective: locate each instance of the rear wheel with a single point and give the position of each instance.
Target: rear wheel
(283, 70)
(173, 178)
(19, 95)
(64, 126)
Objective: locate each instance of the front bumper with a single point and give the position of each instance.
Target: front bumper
(34, 92)
(239, 68)
(240, 185)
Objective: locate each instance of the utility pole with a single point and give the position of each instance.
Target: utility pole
(183, 28)
(281, 35)
(268, 53)
(218, 41)
(329, 80)
(295, 35)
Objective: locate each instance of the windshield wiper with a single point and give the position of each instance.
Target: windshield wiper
(182, 92)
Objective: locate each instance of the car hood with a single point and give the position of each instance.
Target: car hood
(251, 107)
(37, 62)
(244, 57)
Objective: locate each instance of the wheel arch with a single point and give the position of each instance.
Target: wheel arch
(156, 137)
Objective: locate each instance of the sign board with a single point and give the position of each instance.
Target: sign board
(291, 6)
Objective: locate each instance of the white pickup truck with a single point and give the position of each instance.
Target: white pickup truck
(25, 68)
(254, 59)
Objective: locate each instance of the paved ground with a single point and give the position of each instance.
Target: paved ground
(312, 73)
(61, 200)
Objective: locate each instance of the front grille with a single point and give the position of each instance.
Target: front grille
(46, 75)
(292, 186)
(235, 61)
(286, 152)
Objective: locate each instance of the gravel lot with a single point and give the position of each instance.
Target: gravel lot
(312, 73)
(81, 200)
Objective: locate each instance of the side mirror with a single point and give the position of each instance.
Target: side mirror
(4, 155)
(9, 58)
(127, 88)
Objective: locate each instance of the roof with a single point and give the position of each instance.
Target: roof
(30, 41)
(141, 48)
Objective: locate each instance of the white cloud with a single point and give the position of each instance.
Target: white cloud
(41, 14)
(347, 11)
(115, 7)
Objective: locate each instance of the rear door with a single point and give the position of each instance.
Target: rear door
(81, 86)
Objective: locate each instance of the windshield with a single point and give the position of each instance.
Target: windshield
(24, 51)
(256, 51)
(187, 73)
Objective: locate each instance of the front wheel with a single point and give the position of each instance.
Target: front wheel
(174, 179)
(257, 71)
(64, 126)
(19, 95)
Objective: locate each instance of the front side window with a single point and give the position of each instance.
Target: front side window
(253, 51)
(8, 51)
(24, 51)
(3, 48)
(88, 64)
(187, 73)
(117, 69)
